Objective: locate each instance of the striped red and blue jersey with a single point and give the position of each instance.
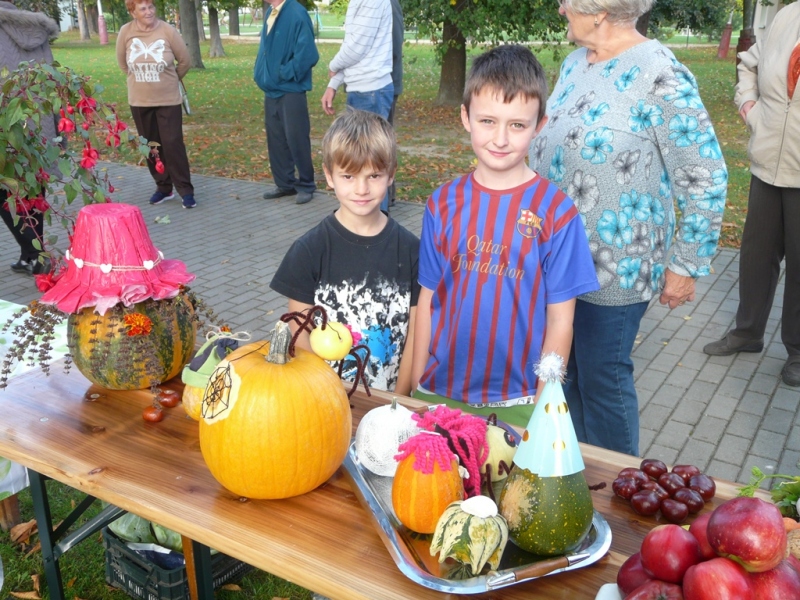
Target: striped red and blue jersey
(494, 260)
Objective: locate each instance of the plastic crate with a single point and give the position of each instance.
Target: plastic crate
(140, 578)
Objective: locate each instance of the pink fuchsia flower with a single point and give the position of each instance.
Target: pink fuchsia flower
(65, 125)
(87, 105)
(90, 157)
(159, 166)
(112, 140)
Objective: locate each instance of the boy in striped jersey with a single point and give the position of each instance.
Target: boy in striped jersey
(503, 254)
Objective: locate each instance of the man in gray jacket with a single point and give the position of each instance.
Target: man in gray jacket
(769, 103)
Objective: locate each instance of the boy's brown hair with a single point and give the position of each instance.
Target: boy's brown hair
(359, 139)
(509, 70)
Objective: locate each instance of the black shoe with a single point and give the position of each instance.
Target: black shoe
(304, 197)
(22, 266)
(278, 193)
(727, 346)
(791, 371)
(40, 268)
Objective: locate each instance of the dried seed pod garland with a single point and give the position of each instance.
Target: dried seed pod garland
(335, 346)
(124, 336)
(268, 405)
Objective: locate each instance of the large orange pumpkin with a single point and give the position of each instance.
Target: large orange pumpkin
(426, 482)
(274, 426)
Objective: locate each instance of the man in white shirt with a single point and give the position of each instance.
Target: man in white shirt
(364, 62)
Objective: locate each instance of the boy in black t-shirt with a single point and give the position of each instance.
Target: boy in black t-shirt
(359, 263)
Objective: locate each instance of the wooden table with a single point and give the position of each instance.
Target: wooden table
(322, 540)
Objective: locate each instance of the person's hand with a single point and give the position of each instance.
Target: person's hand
(746, 109)
(327, 100)
(678, 290)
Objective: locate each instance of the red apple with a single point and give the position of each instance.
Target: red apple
(667, 551)
(749, 531)
(780, 583)
(631, 574)
(656, 590)
(717, 579)
(699, 530)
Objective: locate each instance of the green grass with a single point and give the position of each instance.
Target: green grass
(225, 137)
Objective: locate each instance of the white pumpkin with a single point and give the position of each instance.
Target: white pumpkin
(380, 433)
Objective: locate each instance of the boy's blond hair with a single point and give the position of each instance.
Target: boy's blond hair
(359, 139)
(510, 70)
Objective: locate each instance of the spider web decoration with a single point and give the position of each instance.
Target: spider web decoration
(216, 398)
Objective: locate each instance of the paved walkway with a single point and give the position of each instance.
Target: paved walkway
(724, 415)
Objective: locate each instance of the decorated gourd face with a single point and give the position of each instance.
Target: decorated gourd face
(426, 482)
(502, 447)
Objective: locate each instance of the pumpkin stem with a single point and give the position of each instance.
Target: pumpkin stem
(282, 344)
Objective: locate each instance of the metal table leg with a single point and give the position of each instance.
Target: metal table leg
(56, 542)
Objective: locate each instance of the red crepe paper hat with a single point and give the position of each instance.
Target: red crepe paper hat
(112, 260)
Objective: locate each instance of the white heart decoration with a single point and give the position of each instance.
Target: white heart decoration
(148, 264)
(79, 263)
(105, 268)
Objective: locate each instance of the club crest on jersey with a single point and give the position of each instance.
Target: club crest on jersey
(529, 223)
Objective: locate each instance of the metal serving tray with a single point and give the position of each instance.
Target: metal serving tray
(411, 551)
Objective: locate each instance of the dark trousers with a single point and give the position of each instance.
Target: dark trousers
(164, 124)
(25, 231)
(770, 235)
(289, 141)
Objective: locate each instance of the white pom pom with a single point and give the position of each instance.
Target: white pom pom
(550, 368)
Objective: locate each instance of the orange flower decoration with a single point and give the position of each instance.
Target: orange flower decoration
(138, 324)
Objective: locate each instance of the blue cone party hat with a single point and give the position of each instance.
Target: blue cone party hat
(549, 446)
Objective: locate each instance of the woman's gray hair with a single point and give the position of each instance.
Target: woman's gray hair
(619, 11)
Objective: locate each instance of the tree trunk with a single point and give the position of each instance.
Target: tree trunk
(189, 33)
(643, 23)
(201, 30)
(83, 26)
(233, 19)
(91, 18)
(454, 66)
(216, 49)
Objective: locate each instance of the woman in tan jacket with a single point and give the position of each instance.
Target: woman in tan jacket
(769, 103)
(155, 59)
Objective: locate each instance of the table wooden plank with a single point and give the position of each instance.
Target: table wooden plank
(322, 540)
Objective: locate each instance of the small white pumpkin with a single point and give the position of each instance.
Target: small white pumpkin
(380, 433)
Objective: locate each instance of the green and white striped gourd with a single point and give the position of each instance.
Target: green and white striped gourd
(472, 533)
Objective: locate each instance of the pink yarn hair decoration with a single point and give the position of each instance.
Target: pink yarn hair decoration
(467, 436)
(428, 448)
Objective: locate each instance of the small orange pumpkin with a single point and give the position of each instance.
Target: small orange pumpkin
(274, 426)
(426, 482)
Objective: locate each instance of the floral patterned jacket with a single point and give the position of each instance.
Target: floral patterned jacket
(626, 139)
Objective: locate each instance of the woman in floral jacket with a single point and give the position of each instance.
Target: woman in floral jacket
(628, 137)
